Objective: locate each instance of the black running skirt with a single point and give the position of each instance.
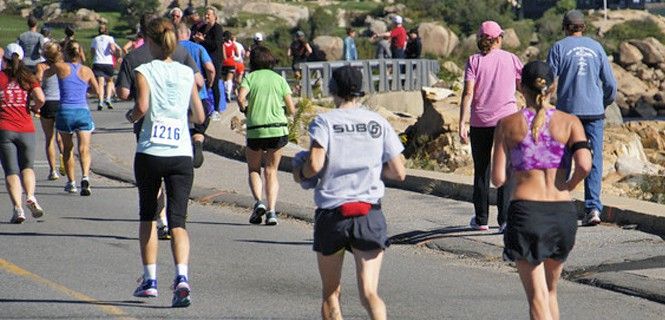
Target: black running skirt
(540, 230)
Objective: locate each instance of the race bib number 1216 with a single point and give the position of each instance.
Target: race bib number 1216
(166, 131)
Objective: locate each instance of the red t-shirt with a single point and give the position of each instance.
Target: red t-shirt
(14, 111)
(398, 37)
(229, 50)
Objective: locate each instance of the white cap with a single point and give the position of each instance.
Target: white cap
(13, 48)
(397, 19)
(258, 36)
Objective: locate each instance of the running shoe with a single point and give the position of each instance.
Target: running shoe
(62, 166)
(163, 233)
(181, 293)
(108, 104)
(475, 226)
(215, 116)
(591, 218)
(502, 228)
(53, 175)
(198, 154)
(35, 208)
(71, 187)
(85, 187)
(18, 216)
(147, 288)
(257, 213)
(271, 218)
(100, 107)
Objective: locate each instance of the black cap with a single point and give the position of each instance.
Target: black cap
(573, 17)
(534, 70)
(346, 82)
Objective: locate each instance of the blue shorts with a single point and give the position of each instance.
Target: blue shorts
(73, 120)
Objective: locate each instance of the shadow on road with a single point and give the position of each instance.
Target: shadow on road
(126, 303)
(35, 234)
(420, 236)
(287, 243)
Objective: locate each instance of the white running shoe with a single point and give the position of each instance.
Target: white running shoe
(18, 216)
(35, 208)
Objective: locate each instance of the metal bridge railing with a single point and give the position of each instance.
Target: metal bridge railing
(378, 75)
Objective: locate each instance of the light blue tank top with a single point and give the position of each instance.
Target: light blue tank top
(73, 90)
(51, 88)
(165, 131)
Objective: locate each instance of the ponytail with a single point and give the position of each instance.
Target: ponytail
(161, 32)
(73, 50)
(541, 108)
(16, 70)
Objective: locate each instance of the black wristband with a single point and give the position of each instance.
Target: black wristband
(580, 145)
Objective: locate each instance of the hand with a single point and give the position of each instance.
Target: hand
(463, 133)
(128, 116)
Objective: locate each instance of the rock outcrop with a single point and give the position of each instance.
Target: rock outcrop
(290, 13)
(331, 46)
(437, 40)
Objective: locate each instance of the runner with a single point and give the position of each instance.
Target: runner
(352, 149)
(230, 51)
(239, 59)
(74, 115)
(103, 49)
(542, 218)
(49, 79)
(166, 89)
(17, 132)
(264, 98)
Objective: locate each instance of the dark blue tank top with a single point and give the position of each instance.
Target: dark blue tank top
(73, 90)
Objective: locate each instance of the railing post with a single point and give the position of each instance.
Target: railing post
(396, 84)
(327, 73)
(305, 83)
(368, 84)
(383, 76)
(408, 81)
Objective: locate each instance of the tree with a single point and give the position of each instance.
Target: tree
(134, 9)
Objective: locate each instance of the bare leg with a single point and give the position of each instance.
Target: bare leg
(101, 81)
(553, 270)
(109, 89)
(254, 168)
(535, 286)
(368, 267)
(330, 270)
(273, 156)
(148, 242)
(180, 245)
(84, 138)
(28, 181)
(50, 138)
(13, 184)
(68, 155)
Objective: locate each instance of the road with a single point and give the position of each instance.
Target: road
(81, 261)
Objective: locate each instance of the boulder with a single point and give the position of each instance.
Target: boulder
(652, 50)
(87, 15)
(652, 133)
(406, 102)
(375, 26)
(623, 105)
(331, 46)
(646, 74)
(627, 83)
(290, 13)
(437, 40)
(644, 109)
(394, 9)
(510, 39)
(613, 115)
(341, 19)
(469, 44)
(452, 68)
(529, 54)
(629, 54)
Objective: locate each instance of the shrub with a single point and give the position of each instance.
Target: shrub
(634, 29)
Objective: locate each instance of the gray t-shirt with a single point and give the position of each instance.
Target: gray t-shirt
(32, 43)
(357, 142)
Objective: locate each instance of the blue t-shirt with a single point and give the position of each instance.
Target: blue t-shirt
(201, 57)
(586, 83)
(357, 142)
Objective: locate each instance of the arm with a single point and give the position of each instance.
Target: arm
(316, 161)
(92, 82)
(290, 107)
(40, 72)
(142, 99)
(210, 72)
(465, 110)
(242, 99)
(308, 49)
(609, 82)
(394, 169)
(127, 46)
(123, 81)
(198, 115)
(198, 80)
(499, 157)
(581, 157)
(37, 97)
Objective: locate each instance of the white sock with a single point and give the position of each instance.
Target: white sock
(181, 270)
(150, 271)
(229, 85)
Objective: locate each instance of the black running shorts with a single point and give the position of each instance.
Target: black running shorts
(332, 232)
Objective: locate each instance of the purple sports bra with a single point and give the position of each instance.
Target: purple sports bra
(546, 154)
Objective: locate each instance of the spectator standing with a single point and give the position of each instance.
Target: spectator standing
(490, 81)
(166, 91)
(203, 62)
(298, 51)
(265, 99)
(542, 219)
(32, 42)
(382, 47)
(414, 46)
(398, 38)
(103, 49)
(350, 51)
(176, 16)
(210, 36)
(346, 168)
(17, 132)
(257, 41)
(585, 87)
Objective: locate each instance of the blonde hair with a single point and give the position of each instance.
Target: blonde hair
(541, 107)
(52, 52)
(73, 49)
(161, 32)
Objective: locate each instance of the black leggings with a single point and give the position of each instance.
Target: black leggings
(178, 175)
(481, 151)
(17, 151)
